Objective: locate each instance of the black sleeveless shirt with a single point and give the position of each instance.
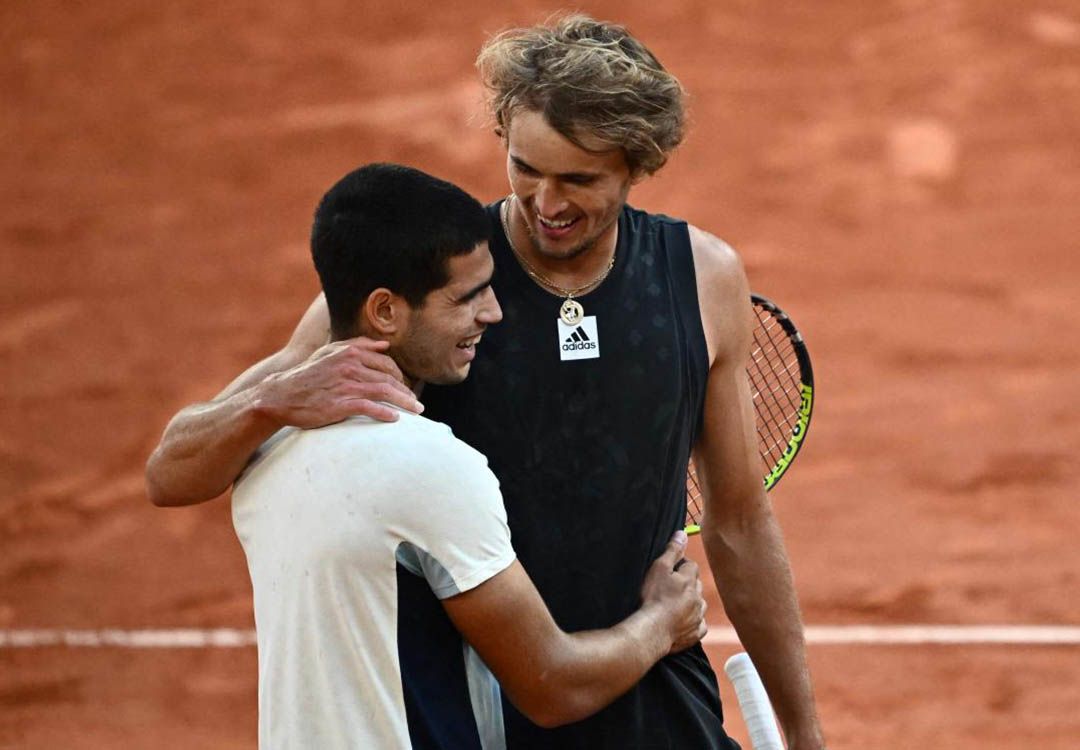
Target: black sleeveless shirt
(591, 455)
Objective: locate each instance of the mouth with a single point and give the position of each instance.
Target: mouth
(469, 345)
(556, 229)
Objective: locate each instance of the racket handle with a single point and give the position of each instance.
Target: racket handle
(754, 703)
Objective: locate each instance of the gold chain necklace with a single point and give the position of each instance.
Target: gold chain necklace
(571, 310)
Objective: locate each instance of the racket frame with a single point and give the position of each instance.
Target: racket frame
(806, 402)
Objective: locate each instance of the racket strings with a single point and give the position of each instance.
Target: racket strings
(775, 378)
(694, 506)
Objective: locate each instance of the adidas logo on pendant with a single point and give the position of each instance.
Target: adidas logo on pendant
(578, 335)
(578, 341)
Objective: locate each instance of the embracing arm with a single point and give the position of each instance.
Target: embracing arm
(309, 383)
(555, 677)
(742, 539)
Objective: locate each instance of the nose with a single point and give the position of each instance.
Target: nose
(489, 312)
(549, 199)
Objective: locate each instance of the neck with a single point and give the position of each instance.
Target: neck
(412, 383)
(415, 384)
(578, 266)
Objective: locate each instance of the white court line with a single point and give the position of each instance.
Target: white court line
(972, 634)
(897, 635)
(116, 638)
(823, 635)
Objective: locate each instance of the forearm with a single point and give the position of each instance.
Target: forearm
(205, 447)
(750, 565)
(580, 673)
(554, 677)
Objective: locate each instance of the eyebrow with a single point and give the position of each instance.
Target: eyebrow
(475, 290)
(561, 175)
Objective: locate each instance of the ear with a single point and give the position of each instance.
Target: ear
(385, 314)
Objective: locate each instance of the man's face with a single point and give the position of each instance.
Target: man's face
(569, 198)
(439, 343)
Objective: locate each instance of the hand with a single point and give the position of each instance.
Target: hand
(672, 586)
(339, 380)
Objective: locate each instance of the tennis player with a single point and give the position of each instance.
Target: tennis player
(622, 351)
(339, 522)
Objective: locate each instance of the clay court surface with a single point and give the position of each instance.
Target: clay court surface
(903, 176)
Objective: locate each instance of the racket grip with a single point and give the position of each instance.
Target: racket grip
(754, 703)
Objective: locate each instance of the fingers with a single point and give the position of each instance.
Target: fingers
(371, 366)
(354, 370)
(375, 410)
(376, 361)
(339, 380)
(371, 353)
(366, 355)
(692, 628)
(688, 569)
(672, 555)
(695, 626)
(361, 342)
(364, 399)
(386, 390)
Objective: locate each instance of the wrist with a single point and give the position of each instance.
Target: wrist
(258, 404)
(806, 739)
(654, 631)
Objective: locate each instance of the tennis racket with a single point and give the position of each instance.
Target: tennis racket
(782, 383)
(754, 703)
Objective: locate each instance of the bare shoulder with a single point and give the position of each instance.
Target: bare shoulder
(723, 293)
(312, 331)
(712, 254)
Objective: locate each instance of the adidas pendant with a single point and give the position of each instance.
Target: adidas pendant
(578, 341)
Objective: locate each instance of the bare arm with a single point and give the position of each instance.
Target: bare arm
(554, 677)
(742, 539)
(309, 383)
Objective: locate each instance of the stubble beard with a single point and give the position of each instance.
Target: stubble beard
(576, 251)
(424, 367)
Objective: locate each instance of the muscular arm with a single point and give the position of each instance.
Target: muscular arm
(555, 677)
(309, 383)
(742, 539)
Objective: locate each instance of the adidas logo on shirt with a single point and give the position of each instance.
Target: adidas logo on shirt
(579, 341)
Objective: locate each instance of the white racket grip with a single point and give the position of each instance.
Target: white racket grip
(754, 703)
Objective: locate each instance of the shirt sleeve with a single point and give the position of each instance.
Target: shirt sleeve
(457, 534)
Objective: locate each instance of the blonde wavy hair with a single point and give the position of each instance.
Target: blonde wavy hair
(590, 80)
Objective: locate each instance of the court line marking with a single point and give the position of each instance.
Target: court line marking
(119, 638)
(819, 635)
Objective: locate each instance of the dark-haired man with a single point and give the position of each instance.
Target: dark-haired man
(342, 525)
(622, 352)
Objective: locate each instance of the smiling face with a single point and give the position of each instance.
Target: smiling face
(567, 197)
(438, 342)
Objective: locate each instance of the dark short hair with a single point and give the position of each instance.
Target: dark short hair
(386, 225)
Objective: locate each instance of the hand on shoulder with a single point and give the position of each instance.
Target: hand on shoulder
(341, 379)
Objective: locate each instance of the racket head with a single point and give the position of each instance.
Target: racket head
(782, 381)
(782, 384)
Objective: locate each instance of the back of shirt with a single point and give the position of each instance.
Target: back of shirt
(328, 518)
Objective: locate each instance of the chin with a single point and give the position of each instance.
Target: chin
(450, 378)
(544, 248)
